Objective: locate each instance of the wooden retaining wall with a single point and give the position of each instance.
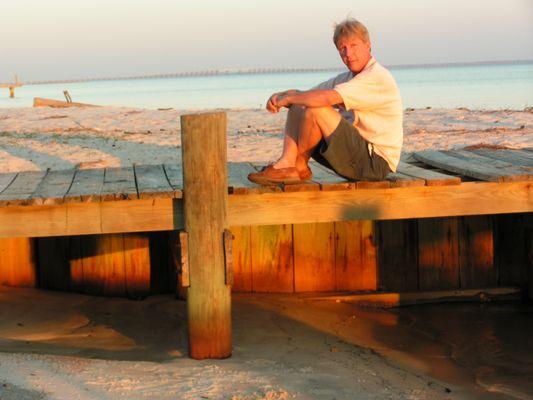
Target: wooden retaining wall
(400, 255)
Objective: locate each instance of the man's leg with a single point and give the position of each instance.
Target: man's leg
(304, 129)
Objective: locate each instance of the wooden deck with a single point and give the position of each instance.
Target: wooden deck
(149, 197)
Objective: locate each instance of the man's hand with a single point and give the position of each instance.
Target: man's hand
(277, 100)
(272, 103)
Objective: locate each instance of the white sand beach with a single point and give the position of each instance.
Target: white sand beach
(41, 138)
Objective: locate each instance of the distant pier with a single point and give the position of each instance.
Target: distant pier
(247, 71)
(11, 86)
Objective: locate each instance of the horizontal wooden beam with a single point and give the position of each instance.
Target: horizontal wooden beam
(157, 214)
(472, 198)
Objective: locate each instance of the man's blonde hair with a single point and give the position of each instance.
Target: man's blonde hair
(350, 26)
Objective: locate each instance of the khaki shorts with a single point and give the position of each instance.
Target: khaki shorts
(348, 154)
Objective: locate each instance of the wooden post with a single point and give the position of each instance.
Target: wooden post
(203, 139)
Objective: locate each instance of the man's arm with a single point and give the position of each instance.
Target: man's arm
(310, 98)
(274, 98)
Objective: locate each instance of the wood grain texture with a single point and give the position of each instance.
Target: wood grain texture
(473, 198)
(397, 179)
(152, 181)
(432, 178)
(53, 187)
(86, 186)
(17, 262)
(242, 259)
(471, 167)
(477, 252)
(21, 188)
(355, 256)
(398, 255)
(515, 157)
(329, 180)
(119, 184)
(205, 178)
(438, 253)
(375, 204)
(314, 257)
(102, 258)
(6, 180)
(137, 265)
(238, 182)
(272, 260)
(174, 173)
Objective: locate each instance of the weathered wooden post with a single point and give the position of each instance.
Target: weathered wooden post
(203, 142)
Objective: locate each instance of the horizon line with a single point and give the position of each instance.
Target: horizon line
(271, 70)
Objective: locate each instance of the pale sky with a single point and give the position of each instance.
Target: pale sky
(64, 39)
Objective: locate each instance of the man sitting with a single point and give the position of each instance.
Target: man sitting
(351, 123)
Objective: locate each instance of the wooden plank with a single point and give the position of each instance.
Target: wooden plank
(272, 260)
(390, 300)
(53, 187)
(510, 249)
(472, 198)
(102, 258)
(21, 189)
(53, 260)
(397, 179)
(242, 259)
(205, 184)
(398, 255)
(438, 253)
(329, 180)
(355, 256)
(314, 257)
(86, 186)
(119, 184)
(174, 173)
(77, 283)
(432, 178)
(471, 167)
(477, 252)
(137, 265)
(515, 157)
(485, 161)
(18, 265)
(152, 182)
(238, 182)
(6, 180)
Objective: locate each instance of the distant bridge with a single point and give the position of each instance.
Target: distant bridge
(247, 71)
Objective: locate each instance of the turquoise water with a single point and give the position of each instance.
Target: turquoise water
(475, 87)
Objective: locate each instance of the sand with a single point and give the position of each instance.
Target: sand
(41, 138)
(69, 346)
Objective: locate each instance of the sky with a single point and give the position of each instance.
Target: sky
(68, 39)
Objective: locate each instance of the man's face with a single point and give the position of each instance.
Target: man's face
(354, 52)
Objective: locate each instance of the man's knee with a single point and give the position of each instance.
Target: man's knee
(327, 118)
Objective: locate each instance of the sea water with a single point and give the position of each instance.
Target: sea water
(484, 86)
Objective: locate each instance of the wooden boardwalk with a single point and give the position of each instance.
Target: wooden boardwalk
(430, 184)
(207, 196)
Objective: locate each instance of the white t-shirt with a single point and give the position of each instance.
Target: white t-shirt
(372, 103)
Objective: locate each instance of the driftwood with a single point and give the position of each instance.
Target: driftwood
(40, 102)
